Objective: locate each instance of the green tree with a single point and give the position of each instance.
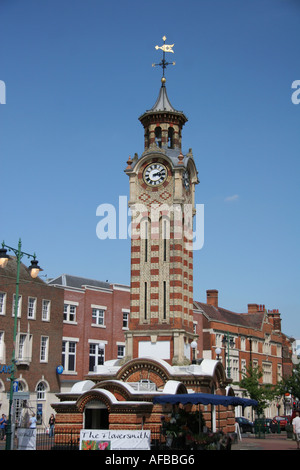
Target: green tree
(291, 384)
(262, 393)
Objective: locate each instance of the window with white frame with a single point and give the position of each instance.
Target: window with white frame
(19, 306)
(46, 310)
(2, 348)
(98, 315)
(235, 369)
(24, 348)
(279, 350)
(2, 303)
(69, 355)
(96, 356)
(267, 372)
(254, 345)
(125, 319)
(219, 337)
(243, 343)
(44, 349)
(41, 391)
(243, 367)
(70, 310)
(31, 308)
(267, 345)
(121, 351)
(279, 372)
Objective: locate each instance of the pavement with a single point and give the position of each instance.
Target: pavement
(269, 442)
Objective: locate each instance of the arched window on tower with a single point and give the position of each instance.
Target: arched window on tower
(158, 136)
(147, 136)
(170, 138)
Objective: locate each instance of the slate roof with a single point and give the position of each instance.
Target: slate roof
(66, 280)
(163, 105)
(163, 102)
(248, 320)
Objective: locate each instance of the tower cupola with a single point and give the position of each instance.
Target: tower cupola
(163, 123)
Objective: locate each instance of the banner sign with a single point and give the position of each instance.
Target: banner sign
(26, 439)
(109, 439)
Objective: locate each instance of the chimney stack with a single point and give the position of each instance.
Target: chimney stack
(254, 308)
(275, 319)
(212, 297)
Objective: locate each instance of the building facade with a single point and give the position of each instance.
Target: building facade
(95, 316)
(241, 339)
(38, 341)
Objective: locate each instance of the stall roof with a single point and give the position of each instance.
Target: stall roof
(204, 399)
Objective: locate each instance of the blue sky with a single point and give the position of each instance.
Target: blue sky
(78, 75)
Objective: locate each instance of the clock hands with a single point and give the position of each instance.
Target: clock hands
(155, 174)
(159, 173)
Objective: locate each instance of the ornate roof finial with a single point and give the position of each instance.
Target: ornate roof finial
(165, 48)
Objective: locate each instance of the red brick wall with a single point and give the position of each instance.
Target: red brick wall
(36, 370)
(114, 300)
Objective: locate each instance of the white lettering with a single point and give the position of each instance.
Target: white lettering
(296, 95)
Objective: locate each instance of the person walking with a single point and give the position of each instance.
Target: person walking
(296, 428)
(51, 425)
(32, 421)
(3, 424)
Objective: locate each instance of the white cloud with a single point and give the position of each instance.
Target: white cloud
(235, 197)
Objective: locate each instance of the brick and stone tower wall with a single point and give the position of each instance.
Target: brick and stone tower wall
(162, 183)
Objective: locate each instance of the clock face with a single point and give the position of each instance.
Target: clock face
(186, 179)
(155, 174)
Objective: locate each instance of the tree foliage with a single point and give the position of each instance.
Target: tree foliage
(262, 393)
(291, 384)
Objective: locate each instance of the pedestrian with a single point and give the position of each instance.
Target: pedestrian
(296, 428)
(3, 424)
(32, 421)
(24, 417)
(51, 425)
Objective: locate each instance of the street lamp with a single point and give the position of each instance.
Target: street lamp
(34, 270)
(194, 346)
(218, 352)
(101, 347)
(230, 344)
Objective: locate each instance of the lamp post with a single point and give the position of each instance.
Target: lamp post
(194, 346)
(230, 344)
(34, 271)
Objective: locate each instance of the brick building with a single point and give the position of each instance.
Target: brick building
(38, 340)
(239, 339)
(95, 316)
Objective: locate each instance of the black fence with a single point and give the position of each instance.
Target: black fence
(67, 439)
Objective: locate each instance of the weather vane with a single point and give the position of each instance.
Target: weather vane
(165, 48)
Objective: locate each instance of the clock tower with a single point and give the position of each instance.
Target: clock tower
(162, 184)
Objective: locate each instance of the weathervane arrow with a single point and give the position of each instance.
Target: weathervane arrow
(165, 48)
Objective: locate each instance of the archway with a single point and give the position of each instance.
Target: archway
(95, 405)
(96, 416)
